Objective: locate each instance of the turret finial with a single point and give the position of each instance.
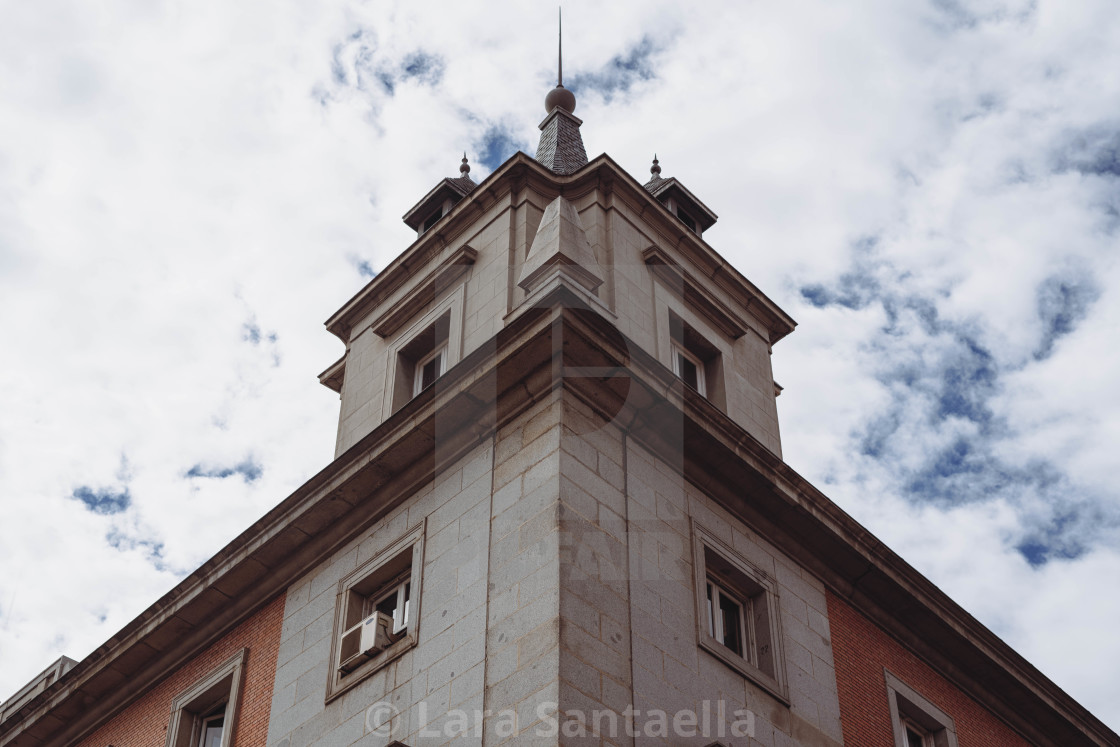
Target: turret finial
(464, 167)
(655, 169)
(560, 47)
(560, 96)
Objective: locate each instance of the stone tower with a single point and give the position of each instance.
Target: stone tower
(558, 514)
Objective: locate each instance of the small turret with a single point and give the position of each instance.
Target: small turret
(561, 145)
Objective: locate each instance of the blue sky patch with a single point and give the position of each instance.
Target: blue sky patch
(251, 333)
(247, 469)
(352, 60)
(966, 383)
(153, 550)
(496, 145)
(943, 379)
(1095, 152)
(852, 291)
(1062, 303)
(356, 64)
(1058, 539)
(620, 73)
(103, 501)
(423, 67)
(365, 269)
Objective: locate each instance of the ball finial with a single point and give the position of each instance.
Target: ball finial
(655, 169)
(464, 167)
(560, 97)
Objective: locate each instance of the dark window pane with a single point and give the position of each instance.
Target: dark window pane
(388, 605)
(689, 374)
(732, 624)
(430, 372)
(913, 738)
(432, 219)
(711, 616)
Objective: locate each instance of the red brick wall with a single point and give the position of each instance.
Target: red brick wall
(861, 650)
(144, 723)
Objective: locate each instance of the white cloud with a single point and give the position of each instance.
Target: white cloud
(173, 176)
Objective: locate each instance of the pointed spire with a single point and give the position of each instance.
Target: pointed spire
(560, 96)
(464, 167)
(560, 47)
(561, 146)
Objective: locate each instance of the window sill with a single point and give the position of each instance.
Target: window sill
(371, 667)
(745, 668)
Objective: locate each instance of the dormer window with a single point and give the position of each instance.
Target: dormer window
(438, 202)
(432, 219)
(687, 220)
(694, 214)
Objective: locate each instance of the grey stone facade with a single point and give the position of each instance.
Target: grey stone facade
(557, 577)
(559, 591)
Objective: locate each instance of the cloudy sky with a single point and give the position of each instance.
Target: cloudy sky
(932, 189)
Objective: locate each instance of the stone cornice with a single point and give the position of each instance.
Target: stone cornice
(696, 295)
(502, 187)
(333, 375)
(424, 293)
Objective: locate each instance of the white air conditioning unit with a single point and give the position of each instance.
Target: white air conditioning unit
(365, 640)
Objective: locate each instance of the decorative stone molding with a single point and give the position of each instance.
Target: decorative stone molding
(694, 294)
(411, 306)
(561, 247)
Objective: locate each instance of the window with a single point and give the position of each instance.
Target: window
(374, 623)
(213, 727)
(737, 606)
(916, 721)
(696, 361)
(725, 617)
(689, 369)
(432, 219)
(916, 736)
(204, 715)
(428, 369)
(377, 612)
(422, 360)
(687, 220)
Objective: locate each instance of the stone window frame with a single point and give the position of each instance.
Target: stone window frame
(907, 704)
(753, 585)
(444, 322)
(680, 328)
(189, 707)
(438, 355)
(373, 573)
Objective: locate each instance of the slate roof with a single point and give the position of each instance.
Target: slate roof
(460, 186)
(662, 189)
(561, 148)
